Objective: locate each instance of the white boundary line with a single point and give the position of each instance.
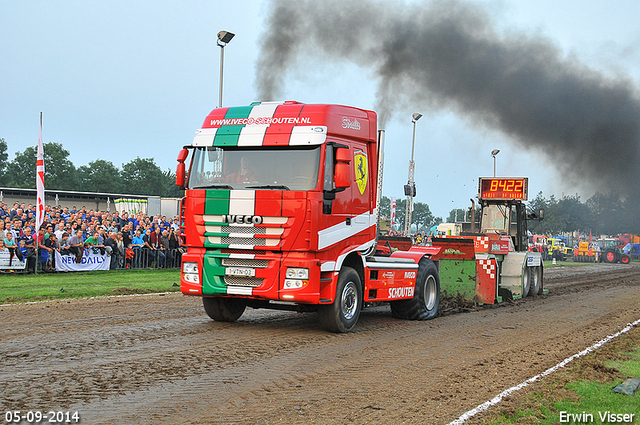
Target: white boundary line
(497, 399)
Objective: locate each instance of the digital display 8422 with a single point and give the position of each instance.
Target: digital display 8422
(499, 188)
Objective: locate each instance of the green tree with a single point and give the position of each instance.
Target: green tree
(575, 214)
(534, 206)
(171, 190)
(401, 207)
(59, 171)
(3, 162)
(385, 207)
(423, 217)
(609, 214)
(100, 176)
(142, 176)
(457, 215)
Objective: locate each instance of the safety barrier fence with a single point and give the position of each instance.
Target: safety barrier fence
(120, 259)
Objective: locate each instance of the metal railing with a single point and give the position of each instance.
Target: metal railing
(120, 259)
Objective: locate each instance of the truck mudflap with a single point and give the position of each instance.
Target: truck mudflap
(486, 291)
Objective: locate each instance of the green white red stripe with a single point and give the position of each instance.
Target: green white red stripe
(250, 126)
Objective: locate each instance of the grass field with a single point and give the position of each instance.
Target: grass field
(584, 388)
(53, 286)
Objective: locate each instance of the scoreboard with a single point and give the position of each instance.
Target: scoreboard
(503, 189)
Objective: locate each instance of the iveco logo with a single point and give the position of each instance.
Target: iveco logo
(243, 219)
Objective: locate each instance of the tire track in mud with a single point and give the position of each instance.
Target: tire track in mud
(162, 359)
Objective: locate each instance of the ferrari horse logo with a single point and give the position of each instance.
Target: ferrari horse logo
(361, 166)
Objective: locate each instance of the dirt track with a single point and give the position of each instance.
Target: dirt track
(160, 359)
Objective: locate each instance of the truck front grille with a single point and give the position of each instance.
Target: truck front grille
(253, 282)
(248, 241)
(245, 262)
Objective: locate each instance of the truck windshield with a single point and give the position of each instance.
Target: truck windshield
(495, 219)
(281, 168)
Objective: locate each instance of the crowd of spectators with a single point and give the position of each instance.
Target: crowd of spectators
(128, 240)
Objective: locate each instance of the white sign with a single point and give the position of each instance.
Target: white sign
(90, 262)
(15, 263)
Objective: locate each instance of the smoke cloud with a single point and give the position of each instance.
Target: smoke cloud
(449, 55)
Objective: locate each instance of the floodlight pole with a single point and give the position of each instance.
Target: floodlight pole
(224, 37)
(493, 154)
(411, 184)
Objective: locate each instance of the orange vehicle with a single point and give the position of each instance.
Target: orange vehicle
(585, 253)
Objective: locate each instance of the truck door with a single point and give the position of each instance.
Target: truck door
(346, 211)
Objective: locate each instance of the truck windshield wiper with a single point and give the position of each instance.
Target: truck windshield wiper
(214, 186)
(269, 186)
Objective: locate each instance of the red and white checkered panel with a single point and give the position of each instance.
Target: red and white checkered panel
(489, 267)
(482, 244)
(486, 281)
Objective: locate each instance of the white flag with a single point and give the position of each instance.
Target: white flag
(40, 181)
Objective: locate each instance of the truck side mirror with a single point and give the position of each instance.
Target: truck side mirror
(342, 176)
(181, 170)
(180, 175)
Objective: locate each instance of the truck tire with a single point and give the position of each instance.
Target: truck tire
(342, 315)
(426, 298)
(535, 281)
(224, 309)
(625, 259)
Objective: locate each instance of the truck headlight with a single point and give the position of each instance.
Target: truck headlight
(190, 268)
(296, 278)
(191, 272)
(297, 273)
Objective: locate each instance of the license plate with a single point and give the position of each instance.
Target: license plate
(240, 271)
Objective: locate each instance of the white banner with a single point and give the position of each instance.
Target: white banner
(15, 263)
(90, 262)
(132, 206)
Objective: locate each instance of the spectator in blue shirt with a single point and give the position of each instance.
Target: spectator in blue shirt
(137, 243)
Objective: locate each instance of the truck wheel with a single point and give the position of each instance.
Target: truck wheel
(224, 309)
(342, 315)
(426, 298)
(625, 259)
(534, 281)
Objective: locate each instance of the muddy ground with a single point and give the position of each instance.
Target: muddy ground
(160, 359)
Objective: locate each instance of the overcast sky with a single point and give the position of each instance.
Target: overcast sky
(124, 79)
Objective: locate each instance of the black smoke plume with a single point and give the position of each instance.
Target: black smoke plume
(449, 55)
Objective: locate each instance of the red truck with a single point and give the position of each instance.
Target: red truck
(281, 210)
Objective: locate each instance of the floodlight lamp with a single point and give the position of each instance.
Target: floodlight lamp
(416, 117)
(495, 152)
(224, 37)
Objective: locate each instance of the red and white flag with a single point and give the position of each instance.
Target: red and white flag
(393, 212)
(40, 181)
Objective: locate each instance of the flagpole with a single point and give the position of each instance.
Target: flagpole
(39, 192)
